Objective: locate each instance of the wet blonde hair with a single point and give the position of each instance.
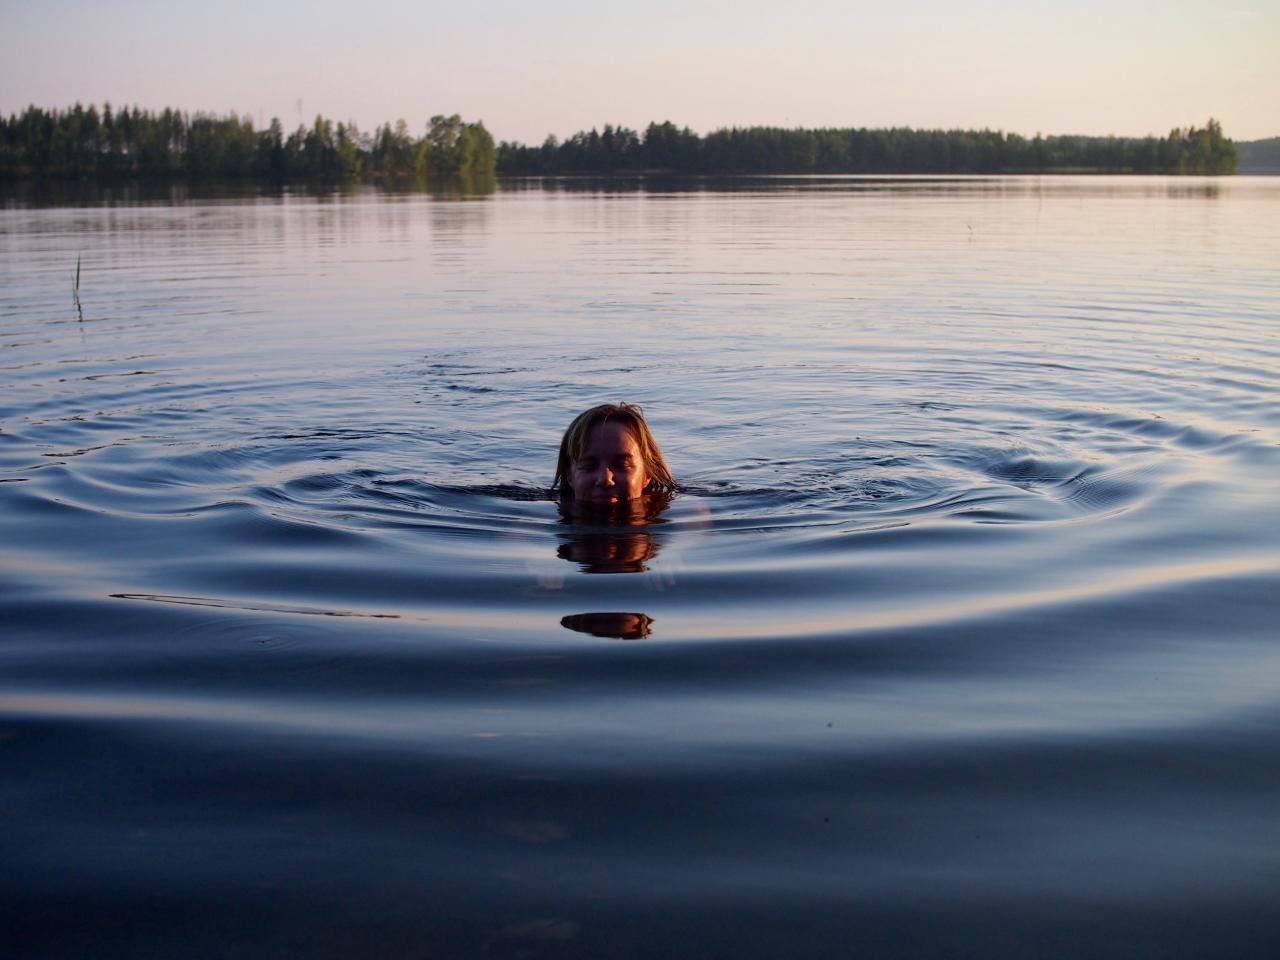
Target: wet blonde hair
(575, 440)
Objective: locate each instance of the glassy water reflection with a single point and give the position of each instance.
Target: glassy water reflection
(958, 639)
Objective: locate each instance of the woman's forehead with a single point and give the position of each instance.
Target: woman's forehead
(611, 435)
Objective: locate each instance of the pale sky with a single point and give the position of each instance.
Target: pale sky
(530, 68)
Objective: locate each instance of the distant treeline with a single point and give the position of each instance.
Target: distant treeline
(1259, 156)
(84, 143)
(664, 147)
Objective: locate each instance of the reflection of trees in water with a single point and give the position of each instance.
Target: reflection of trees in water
(622, 626)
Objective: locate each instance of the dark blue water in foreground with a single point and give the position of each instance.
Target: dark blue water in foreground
(961, 642)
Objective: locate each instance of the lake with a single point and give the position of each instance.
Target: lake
(959, 640)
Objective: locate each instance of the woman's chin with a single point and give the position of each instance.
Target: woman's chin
(606, 504)
(615, 509)
(604, 499)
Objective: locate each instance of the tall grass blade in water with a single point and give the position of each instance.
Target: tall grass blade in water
(75, 291)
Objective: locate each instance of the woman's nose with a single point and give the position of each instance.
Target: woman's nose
(604, 477)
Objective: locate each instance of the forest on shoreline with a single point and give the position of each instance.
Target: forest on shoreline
(84, 143)
(88, 144)
(774, 150)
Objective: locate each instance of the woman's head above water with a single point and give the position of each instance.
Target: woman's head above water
(608, 456)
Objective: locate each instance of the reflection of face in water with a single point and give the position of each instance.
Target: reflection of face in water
(616, 540)
(610, 553)
(622, 626)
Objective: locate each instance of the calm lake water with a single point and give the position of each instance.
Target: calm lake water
(959, 641)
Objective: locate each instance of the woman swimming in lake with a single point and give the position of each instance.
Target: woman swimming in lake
(608, 458)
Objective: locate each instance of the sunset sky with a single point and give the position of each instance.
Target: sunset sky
(529, 69)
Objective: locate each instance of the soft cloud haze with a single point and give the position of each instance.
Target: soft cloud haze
(530, 69)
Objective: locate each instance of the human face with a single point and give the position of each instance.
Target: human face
(610, 469)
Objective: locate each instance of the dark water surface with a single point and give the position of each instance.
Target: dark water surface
(961, 641)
